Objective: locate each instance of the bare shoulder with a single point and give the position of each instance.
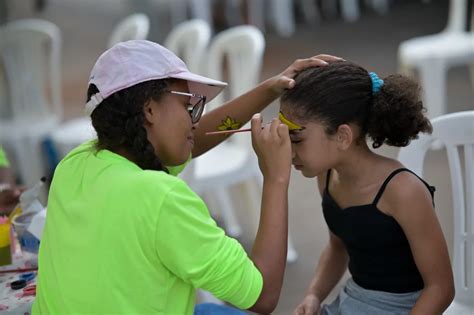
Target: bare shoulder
(404, 193)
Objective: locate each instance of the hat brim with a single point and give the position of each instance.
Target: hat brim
(201, 85)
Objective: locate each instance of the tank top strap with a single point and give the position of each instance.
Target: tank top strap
(432, 189)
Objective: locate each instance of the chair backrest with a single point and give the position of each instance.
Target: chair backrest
(135, 26)
(458, 16)
(456, 132)
(30, 51)
(189, 40)
(242, 47)
(235, 56)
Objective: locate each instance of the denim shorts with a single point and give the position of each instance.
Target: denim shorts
(355, 300)
(215, 309)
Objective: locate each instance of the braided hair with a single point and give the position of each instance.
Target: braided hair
(119, 122)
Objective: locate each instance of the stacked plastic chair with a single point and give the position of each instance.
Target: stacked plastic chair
(433, 55)
(30, 52)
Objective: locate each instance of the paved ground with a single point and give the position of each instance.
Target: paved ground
(372, 42)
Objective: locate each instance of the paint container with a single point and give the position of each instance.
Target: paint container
(5, 249)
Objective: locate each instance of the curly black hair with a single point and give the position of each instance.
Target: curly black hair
(341, 93)
(119, 121)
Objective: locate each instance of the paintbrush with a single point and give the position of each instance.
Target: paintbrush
(227, 131)
(291, 126)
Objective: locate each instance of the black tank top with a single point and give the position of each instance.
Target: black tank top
(379, 253)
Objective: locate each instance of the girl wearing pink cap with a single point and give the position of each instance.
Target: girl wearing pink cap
(123, 234)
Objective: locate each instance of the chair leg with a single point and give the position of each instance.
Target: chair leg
(329, 8)
(255, 196)
(256, 14)
(232, 12)
(350, 10)
(292, 254)
(178, 12)
(201, 9)
(380, 6)
(310, 12)
(224, 202)
(471, 70)
(433, 81)
(28, 153)
(282, 17)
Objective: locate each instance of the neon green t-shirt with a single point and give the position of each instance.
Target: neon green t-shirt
(122, 240)
(3, 158)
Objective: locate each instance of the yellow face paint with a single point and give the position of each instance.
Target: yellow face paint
(229, 124)
(291, 125)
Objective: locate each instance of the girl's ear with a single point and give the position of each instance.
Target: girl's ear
(344, 136)
(149, 112)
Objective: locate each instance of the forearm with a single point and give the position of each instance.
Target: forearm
(240, 109)
(270, 246)
(433, 300)
(331, 267)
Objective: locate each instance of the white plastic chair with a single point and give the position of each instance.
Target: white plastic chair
(76, 131)
(350, 10)
(134, 26)
(189, 41)
(232, 162)
(30, 51)
(198, 9)
(455, 131)
(432, 56)
(280, 13)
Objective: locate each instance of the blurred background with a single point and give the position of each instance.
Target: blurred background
(46, 61)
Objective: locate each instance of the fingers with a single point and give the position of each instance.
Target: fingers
(256, 124)
(315, 61)
(274, 127)
(283, 132)
(299, 311)
(327, 57)
(287, 83)
(301, 64)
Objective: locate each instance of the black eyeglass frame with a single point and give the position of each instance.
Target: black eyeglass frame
(195, 110)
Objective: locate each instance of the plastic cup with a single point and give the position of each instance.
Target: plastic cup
(29, 244)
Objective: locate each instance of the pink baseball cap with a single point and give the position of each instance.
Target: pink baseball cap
(129, 63)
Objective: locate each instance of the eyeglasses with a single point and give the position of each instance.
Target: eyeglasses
(195, 106)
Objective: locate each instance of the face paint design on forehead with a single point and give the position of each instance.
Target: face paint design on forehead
(292, 126)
